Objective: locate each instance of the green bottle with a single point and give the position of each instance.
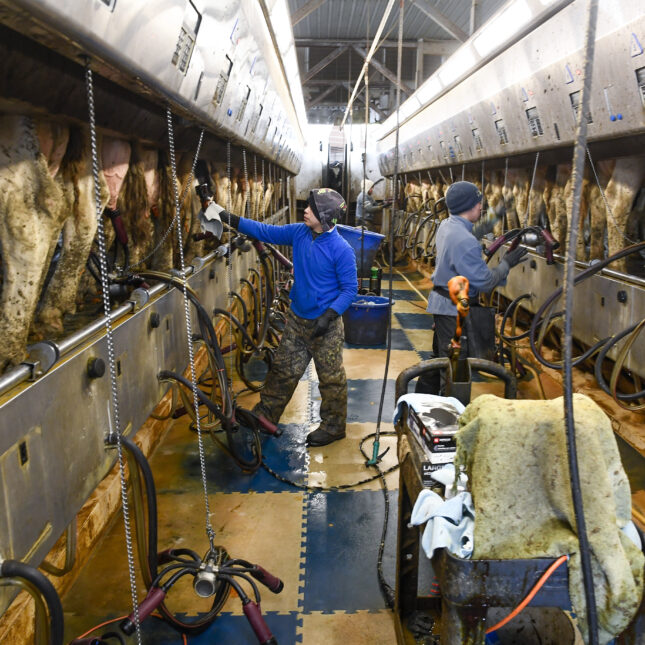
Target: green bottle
(374, 285)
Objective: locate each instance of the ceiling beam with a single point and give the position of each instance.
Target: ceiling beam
(332, 56)
(445, 23)
(430, 47)
(361, 98)
(305, 10)
(391, 76)
(324, 94)
(334, 81)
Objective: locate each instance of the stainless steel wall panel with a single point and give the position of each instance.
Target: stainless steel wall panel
(60, 421)
(539, 72)
(603, 305)
(176, 51)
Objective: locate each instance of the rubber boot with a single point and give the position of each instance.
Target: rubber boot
(321, 436)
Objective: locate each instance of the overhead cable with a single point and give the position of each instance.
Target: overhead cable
(368, 58)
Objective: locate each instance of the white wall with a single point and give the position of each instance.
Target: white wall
(310, 174)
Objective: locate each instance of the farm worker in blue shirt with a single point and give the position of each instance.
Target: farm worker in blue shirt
(325, 284)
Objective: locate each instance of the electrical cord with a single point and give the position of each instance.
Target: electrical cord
(536, 587)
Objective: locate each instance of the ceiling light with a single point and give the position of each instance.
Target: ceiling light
(429, 89)
(457, 65)
(500, 28)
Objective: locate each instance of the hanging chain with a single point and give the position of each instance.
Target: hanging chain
(263, 193)
(247, 190)
(604, 199)
(229, 260)
(483, 177)
(505, 218)
(528, 197)
(255, 185)
(189, 183)
(115, 429)
(189, 329)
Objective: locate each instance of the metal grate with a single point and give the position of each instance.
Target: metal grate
(640, 79)
(221, 83)
(479, 145)
(575, 98)
(458, 146)
(183, 50)
(535, 124)
(501, 132)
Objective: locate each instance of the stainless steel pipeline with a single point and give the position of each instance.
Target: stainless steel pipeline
(610, 273)
(25, 371)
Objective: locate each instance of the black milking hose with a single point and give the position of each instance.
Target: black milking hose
(208, 332)
(254, 294)
(227, 314)
(151, 497)
(245, 313)
(583, 275)
(508, 312)
(601, 357)
(15, 569)
(569, 283)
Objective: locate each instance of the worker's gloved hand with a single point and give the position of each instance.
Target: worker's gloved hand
(515, 256)
(228, 218)
(322, 322)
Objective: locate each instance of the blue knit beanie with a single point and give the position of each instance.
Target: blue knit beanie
(328, 206)
(461, 197)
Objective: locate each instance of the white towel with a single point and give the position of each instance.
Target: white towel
(450, 524)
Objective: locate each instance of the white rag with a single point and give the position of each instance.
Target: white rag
(450, 523)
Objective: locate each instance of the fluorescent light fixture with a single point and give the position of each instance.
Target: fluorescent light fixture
(410, 106)
(429, 89)
(281, 22)
(500, 28)
(459, 63)
(405, 110)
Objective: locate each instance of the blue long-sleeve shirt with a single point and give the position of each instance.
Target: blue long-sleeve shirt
(459, 253)
(324, 267)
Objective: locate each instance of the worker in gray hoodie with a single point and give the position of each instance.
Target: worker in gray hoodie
(366, 205)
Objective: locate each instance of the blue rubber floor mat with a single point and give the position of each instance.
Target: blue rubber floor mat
(415, 321)
(226, 629)
(405, 294)
(343, 537)
(283, 454)
(363, 396)
(399, 341)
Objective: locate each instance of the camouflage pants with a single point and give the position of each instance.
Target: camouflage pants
(296, 350)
